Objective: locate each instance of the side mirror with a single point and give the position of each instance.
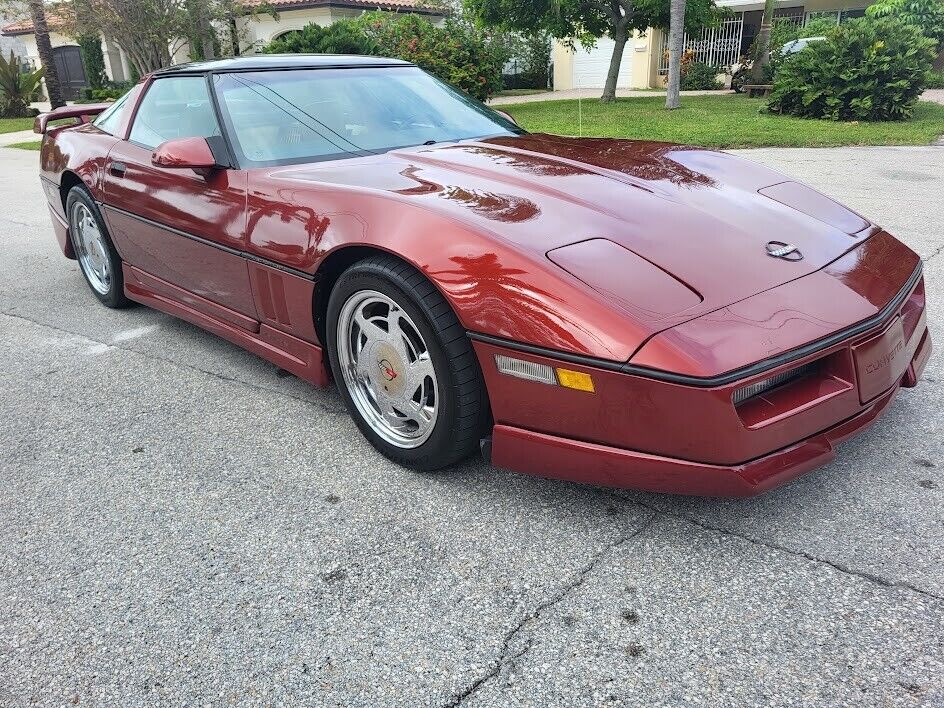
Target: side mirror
(193, 153)
(506, 116)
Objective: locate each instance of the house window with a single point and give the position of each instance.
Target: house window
(837, 15)
(793, 14)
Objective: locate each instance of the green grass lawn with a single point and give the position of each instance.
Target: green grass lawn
(31, 145)
(12, 125)
(727, 121)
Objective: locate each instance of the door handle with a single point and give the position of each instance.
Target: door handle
(118, 169)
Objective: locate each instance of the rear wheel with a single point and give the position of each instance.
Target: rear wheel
(404, 365)
(98, 259)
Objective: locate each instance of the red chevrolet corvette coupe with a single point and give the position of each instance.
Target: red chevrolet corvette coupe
(625, 313)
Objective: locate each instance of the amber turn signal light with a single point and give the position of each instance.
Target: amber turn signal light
(576, 380)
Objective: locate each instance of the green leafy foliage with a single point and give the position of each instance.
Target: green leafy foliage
(935, 80)
(90, 46)
(457, 53)
(782, 32)
(870, 70)
(17, 88)
(342, 37)
(531, 54)
(111, 91)
(698, 76)
(586, 20)
(928, 15)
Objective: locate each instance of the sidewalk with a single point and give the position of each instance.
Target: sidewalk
(588, 93)
(935, 95)
(21, 136)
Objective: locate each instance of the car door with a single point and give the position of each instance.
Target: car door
(181, 230)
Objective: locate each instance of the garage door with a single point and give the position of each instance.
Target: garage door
(590, 65)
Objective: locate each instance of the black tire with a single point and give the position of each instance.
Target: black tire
(114, 296)
(464, 414)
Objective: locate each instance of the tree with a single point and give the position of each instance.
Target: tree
(204, 36)
(676, 45)
(762, 44)
(44, 47)
(93, 59)
(927, 15)
(145, 29)
(588, 20)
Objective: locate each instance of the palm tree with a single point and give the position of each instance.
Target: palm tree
(762, 56)
(44, 46)
(676, 42)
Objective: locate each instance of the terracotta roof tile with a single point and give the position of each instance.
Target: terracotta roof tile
(365, 4)
(26, 26)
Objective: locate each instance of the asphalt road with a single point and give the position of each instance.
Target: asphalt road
(180, 524)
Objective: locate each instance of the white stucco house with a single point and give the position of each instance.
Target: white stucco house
(644, 59)
(255, 32)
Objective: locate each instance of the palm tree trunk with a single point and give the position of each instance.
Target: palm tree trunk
(620, 35)
(44, 46)
(676, 44)
(762, 58)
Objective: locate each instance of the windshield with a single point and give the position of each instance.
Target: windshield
(304, 115)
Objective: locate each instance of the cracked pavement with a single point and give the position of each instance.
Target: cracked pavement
(182, 523)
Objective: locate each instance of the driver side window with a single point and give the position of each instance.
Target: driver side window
(176, 107)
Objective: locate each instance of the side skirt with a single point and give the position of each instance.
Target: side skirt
(303, 359)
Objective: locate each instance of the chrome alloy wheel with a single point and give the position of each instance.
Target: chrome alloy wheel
(91, 248)
(387, 369)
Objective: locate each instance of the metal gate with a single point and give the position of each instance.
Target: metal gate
(715, 46)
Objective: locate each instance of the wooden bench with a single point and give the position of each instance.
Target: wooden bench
(757, 90)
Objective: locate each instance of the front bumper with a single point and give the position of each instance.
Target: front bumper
(667, 437)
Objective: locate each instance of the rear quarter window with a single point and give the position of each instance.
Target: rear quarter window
(110, 119)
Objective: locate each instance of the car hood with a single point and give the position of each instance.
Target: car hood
(664, 232)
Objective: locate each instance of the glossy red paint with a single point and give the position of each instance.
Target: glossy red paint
(647, 260)
(192, 153)
(79, 114)
(697, 423)
(562, 458)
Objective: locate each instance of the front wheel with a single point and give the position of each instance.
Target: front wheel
(404, 365)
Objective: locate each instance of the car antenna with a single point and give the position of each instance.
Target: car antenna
(579, 117)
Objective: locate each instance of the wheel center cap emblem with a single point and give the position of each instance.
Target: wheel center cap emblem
(386, 368)
(390, 375)
(784, 251)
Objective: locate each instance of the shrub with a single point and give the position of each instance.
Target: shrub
(112, 91)
(342, 37)
(935, 80)
(457, 53)
(866, 70)
(17, 88)
(699, 76)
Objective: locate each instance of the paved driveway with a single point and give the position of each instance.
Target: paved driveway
(180, 524)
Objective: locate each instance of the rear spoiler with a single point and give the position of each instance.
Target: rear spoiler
(81, 114)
